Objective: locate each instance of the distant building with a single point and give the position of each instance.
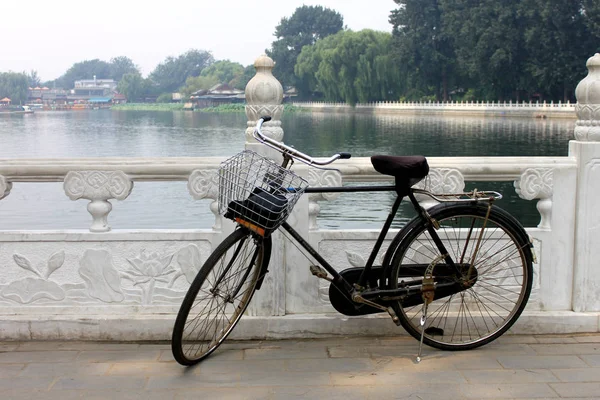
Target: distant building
(216, 95)
(94, 87)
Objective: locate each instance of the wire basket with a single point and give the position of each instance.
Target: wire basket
(256, 192)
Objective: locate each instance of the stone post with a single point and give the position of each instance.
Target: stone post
(264, 95)
(586, 148)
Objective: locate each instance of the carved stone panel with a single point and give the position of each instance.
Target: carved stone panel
(98, 273)
(5, 187)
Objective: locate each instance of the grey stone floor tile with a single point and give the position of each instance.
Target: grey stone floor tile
(8, 346)
(576, 348)
(235, 367)
(591, 360)
(99, 383)
(30, 383)
(580, 389)
(541, 362)
(556, 340)
(523, 339)
(61, 369)
(397, 377)
(510, 376)
(10, 370)
(29, 394)
(587, 338)
(286, 353)
(225, 394)
(144, 369)
(425, 391)
(75, 345)
(132, 395)
(118, 356)
(283, 378)
(331, 365)
(38, 356)
(192, 381)
(578, 375)
(508, 391)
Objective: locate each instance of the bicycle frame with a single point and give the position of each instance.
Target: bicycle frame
(338, 279)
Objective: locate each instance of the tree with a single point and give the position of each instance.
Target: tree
(224, 71)
(84, 70)
(14, 86)
(171, 74)
(195, 83)
(119, 66)
(557, 41)
(34, 79)
(240, 81)
(133, 86)
(305, 27)
(488, 37)
(423, 48)
(350, 66)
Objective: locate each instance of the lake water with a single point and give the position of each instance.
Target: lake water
(106, 133)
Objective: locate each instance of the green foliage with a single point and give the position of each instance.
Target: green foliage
(148, 107)
(172, 73)
(350, 66)
(225, 71)
(305, 27)
(165, 98)
(502, 49)
(195, 83)
(120, 66)
(133, 86)
(84, 70)
(34, 79)
(240, 81)
(14, 86)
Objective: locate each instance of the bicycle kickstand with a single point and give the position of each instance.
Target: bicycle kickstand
(428, 292)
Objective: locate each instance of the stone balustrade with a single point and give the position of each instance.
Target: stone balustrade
(115, 284)
(475, 108)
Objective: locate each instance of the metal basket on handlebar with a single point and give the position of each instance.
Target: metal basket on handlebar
(256, 192)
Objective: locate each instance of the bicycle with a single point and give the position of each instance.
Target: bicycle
(457, 276)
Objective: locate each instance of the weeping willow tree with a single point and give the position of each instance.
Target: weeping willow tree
(351, 67)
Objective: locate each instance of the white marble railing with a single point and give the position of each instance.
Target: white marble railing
(532, 109)
(107, 283)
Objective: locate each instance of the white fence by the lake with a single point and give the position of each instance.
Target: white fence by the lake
(102, 282)
(476, 108)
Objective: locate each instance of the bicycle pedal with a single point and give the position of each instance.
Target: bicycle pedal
(320, 273)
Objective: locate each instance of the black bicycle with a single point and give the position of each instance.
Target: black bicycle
(456, 277)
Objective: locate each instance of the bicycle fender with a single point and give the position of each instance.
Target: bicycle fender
(264, 268)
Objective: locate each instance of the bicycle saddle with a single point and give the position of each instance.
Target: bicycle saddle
(408, 170)
(411, 167)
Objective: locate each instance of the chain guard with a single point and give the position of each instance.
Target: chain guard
(342, 301)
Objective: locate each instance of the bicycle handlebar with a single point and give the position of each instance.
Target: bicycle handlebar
(285, 149)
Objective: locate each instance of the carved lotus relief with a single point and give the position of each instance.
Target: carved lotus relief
(153, 276)
(29, 290)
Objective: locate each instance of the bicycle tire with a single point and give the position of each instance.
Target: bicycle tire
(229, 275)
(487, 309)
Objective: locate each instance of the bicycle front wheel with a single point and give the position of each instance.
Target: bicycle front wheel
(219, 295)
(493, 255)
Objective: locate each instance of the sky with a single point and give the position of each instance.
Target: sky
(50, 36)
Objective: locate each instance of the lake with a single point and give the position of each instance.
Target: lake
(106, 133)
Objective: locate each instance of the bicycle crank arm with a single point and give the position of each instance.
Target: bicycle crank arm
(357, 298)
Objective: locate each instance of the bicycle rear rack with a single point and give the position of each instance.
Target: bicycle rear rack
(466, 197)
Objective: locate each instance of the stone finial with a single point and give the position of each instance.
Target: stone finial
(587, 128)
(98, 186)
(264, 95)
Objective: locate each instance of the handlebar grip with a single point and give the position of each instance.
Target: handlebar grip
(266, 118)
(345, 156)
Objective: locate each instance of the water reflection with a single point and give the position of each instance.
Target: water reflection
(189, 134)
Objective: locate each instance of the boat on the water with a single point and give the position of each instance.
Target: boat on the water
(15, 110)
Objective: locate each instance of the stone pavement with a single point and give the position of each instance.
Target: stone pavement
(513, 367)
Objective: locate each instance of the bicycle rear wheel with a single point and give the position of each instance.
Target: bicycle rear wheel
(219, 295)
(490, 299)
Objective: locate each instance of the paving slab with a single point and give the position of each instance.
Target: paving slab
(515, 367)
